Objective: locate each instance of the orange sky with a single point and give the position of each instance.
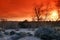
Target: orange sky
(19, 9)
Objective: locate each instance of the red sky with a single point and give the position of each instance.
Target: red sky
(19, 9)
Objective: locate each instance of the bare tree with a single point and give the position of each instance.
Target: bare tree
(38, 12)
(37, 17)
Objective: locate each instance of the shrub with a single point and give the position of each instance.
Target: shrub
(29, 34)
(6, 33)
(22, 34)
(17, 36)
(12, 33)
(13, 37)
(1, 34)
(46, 33)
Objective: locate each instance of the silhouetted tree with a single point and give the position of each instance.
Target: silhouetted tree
(38, 12)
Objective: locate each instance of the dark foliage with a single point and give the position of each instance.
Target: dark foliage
(12, 33)
(1, 34)
(6, 33)
(22, 34)
(23, 24)
(18, 36)
(46, 34)
(29, 34)
(14, 37)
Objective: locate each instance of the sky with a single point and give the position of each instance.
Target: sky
(20, 9)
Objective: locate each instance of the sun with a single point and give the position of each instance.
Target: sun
(53, 15)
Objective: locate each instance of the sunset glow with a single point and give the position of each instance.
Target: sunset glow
(54, 15)
(19, 10)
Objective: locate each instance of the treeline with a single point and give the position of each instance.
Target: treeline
(27, 24)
